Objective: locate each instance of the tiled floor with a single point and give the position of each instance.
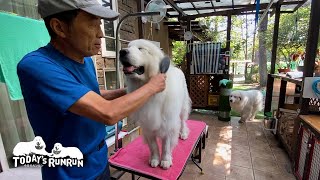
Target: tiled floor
(233, 152)
(240, 151)
(21, 173)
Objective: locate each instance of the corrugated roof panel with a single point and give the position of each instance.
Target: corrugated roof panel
(202, 4)
(191, 12)
(173, 13)
(268, 1)
(184, 5)
(241, 2)
(288, 7)
(223, 9)
(206, 11)
(223, 3)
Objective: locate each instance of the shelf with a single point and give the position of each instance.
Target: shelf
(293, 107)
(283, 77)
(312, 120)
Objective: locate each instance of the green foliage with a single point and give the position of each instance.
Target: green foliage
(178, 52)
(293, 32)
(217, 31)
(238, 41)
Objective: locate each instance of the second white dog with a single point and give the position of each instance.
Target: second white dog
(247, 103)
(164, 114)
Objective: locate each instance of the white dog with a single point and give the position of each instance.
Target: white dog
(164, 115)
(247, 103)
(37, 146)
(59, 151)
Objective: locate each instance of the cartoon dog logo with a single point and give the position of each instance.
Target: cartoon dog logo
(37, 146)
(59, 151)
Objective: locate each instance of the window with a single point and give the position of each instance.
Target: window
(110, 78)
(25, 8)
(109, 30)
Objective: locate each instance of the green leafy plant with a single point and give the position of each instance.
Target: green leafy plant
(178, 52)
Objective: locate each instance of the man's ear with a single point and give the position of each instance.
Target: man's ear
(59, 27)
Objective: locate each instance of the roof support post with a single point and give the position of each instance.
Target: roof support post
(270, 81)
(311, 48)
(228, 32)
(275, 39)
(188, 55)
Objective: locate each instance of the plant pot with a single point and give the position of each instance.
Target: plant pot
(284, 70)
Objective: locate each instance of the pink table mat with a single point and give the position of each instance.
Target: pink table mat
(135, 156)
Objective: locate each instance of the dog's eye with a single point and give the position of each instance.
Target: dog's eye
(140, 48)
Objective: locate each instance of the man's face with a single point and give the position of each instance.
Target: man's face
(84, 34)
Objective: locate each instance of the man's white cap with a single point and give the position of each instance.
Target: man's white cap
(49, 7)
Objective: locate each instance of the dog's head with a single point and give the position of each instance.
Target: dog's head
(57, 148)
(235, 97)
(141, 59)
(39, 143)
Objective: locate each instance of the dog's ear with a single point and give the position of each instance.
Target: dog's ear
(164, 64)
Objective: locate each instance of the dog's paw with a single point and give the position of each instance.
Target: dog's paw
(166, 164)
(154, 162)
(184, 135)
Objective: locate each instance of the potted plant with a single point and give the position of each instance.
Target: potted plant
(283, 68)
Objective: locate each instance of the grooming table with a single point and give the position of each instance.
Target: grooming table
(134, 158)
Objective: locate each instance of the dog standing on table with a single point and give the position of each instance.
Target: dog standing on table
(164, 115)
(247, 103)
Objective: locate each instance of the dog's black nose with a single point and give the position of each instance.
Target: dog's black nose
(123, 52)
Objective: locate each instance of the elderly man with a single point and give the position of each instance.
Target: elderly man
(62, 97)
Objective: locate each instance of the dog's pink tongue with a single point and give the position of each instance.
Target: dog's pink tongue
(128, 69)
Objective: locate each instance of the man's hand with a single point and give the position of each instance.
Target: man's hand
(157, 83)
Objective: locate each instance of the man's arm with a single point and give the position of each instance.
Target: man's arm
(93, 106)
(113, 94)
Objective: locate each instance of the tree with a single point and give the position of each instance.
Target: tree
(262, 52)
(217, 28)
(293, 32)
(218, 33)
(178, 52)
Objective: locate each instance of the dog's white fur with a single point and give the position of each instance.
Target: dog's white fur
(163, 116)
(37, 146)
(247, 103)
(59, 151)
